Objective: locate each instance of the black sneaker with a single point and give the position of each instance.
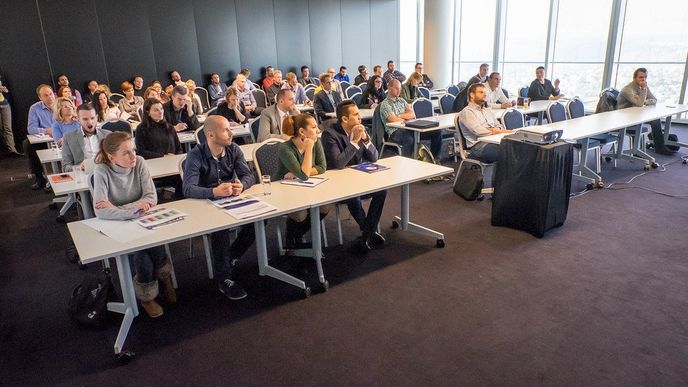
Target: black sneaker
(231, 290)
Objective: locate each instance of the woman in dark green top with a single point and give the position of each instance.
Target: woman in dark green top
(301, 157)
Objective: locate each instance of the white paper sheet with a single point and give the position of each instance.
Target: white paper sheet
(123, 231)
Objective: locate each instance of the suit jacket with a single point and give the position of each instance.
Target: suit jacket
(269, 125)
(340, 152)
(73, 147)
(322, 104)
(191, 122)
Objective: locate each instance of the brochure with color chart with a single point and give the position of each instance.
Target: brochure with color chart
(369, 167)
(311, 182)
(244, 206)
(159, 217)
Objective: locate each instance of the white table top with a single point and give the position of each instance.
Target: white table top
(49, 155)
(38, 139)
(436, 93)
(204, 218)
(304, 108)
(366, 114)
(446, 122)
(533, 107)
(596, 124)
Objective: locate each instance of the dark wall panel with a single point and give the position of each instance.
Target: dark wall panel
(173, 31)
(218, 39)
(73, 40)
(384, 43)
(293, 35)
(356, 35)
(23, 59)
(257, 46)
(326, 34)
(127, 42)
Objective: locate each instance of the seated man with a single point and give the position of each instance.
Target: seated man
(478, 121)
(41, 120)
(326, 100)
(377, 70)
(216, 89)
(214, 169)
(336, 86)
(272, 118)
(306, 78)
(176, 78)
(247, 76)
(138, 86)
(267, 81)
(292, 84)
(495, 95)
(84, 143)
(362, 76)
(347, 143)
(63, 81)
(392, 73)
(542, 89)
(179, 110)
(342, 76)
(275, 87)
(481, 77)
(396, 109)
(241, 83)
(636, 93)
(426, 81)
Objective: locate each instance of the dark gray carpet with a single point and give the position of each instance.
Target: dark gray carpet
(600, 301)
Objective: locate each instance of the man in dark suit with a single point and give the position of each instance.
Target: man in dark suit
(326, 100)
(346, 143)
(179, 110)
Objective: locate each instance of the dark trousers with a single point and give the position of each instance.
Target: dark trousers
(367, 223)
(226, 255)
(485, 152)
(657, 134)
(404, 138)
(146, 261)
(171, 181)
(34, 162)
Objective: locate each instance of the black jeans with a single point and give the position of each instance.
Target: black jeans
(485, 152)
(367, 223)
(34, 162)
(225, 256)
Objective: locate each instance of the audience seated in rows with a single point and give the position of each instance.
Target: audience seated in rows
(392, 73)
(216, 89)
(362, 76)
(475, 121)
(179, 110)
(326, 100)
(80, 146)
(271, 118)
(342, 75)
(299, 92)
(306, 78)
(374, 93)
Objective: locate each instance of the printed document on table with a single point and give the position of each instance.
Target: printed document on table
(245, 207)
(122, 231)
(311, 182)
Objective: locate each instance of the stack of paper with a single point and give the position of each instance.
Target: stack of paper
(159, 217)
(243, 206)
(311, 182)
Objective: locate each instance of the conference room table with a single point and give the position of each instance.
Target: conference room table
(581, 129)
(446, 121)
(534, 107)
(39, 138)
(204, 218)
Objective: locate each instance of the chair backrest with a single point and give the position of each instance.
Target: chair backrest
(345, 85)
(261, 99)
(461, 101)
(506, 92)
(118, 126)
(461, 144)
(203, 94)
(523, 92)
(255, 125)
(453, 90)
(446, 103)
(116, 97)
(607, 101)
(213, 110)
(351, 90)
(310, 93)
(377, 130)
(316, 81)
(425, 92)
(461, 85)
(363, 86)
(200, 136)
(309, 86)
(182, 164)
(422, 107)
(556, 112)
(256, 86)
(265, 158)
(356, 98)
(513, 119)
(575, 108)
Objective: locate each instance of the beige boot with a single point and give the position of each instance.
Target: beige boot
(164, 276)
(146, 293)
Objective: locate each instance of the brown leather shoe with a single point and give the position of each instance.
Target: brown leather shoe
(152, 308)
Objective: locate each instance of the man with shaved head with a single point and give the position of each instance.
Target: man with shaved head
(214, 169)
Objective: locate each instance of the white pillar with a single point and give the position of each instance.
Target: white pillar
(437, 40)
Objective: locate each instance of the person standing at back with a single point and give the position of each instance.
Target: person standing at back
(6, 122)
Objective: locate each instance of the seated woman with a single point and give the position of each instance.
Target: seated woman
(157, 86)
(374, 93)
(66, 91)
(130, 104)
(300, 157)
(195, 99)
(409, 91)
(64, 114)
(292, 84)
(123, 189)
(155, 138)
(106, 111)
(232, 108)
(151, 92)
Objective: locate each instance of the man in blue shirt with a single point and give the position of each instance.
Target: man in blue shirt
(342, 76)
(216, 89)
(215, 169)
(40, 122)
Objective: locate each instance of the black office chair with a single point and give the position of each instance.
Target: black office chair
(356, 97)
(200, 136)
(261, 99)
(345, 85)
(255, 127)
(379, 136)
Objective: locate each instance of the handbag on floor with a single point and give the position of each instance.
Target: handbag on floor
(469, 182)
(88, 301)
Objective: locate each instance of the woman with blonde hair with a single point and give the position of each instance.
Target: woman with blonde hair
(195, 99)
(123, 189)
(64, 113)
(409, 91)
(301, 157)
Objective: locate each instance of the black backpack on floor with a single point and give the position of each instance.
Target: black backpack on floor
(88, 302)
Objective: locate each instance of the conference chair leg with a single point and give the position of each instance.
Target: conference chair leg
(324, 233)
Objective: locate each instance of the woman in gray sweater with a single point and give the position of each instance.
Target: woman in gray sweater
(123, 189)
